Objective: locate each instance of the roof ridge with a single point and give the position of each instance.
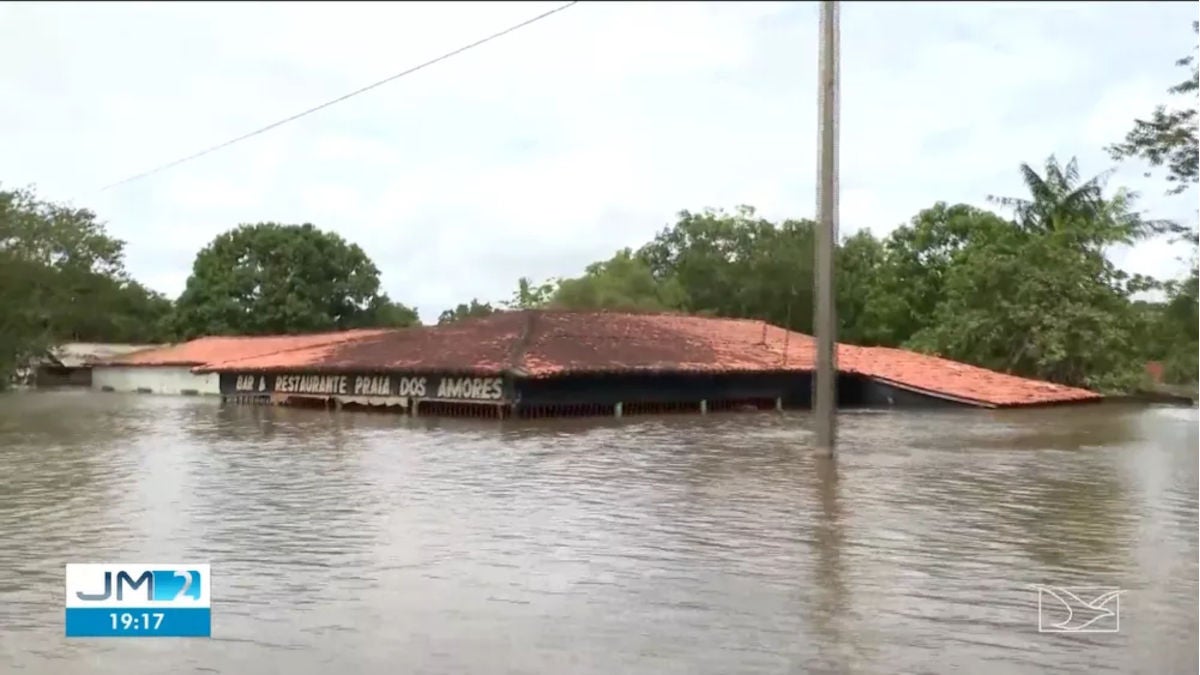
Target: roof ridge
(296, 348)
(611, 312)
(119, 359)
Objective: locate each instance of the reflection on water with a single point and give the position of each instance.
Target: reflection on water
(372, 543)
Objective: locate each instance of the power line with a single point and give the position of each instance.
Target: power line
(339, 99)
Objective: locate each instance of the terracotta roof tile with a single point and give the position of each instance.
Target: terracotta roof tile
(951, 379)
(480, 346)
(562, 343)
(542, 344)
(217, 348)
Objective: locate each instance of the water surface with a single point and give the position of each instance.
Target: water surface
(370, 543)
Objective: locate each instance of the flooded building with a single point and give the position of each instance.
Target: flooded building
(71, 363)
(550, 363)
(169, 369)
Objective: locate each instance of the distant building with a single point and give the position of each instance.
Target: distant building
(1155, 371)
(70, 364)
(168, 369)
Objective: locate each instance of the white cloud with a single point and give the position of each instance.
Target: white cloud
(1118, 106)
(555, 145)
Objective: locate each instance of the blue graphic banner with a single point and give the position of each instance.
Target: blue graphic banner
(138, 622)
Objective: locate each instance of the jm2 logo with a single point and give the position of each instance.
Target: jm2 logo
(160, 585)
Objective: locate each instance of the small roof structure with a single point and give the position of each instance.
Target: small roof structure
(220, 347)
(85, 354)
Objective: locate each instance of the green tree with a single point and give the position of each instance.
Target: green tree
(772, 274)
(737, 265)
(26, 314)
(383, 312)
(1169, 136)
(1060, 202)
(270, 278)
(1034, 305)
(859, 260)
(531, 296)
(1167, 330)
(1039, 297)
(62, 277)
(57, 236)
(899, 295)
(1179, 327)
(466, 311)
(706, 253)
(100, 308)
(622, 282)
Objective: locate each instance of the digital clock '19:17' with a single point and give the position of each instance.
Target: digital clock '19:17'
(148, 621)
(138, 622)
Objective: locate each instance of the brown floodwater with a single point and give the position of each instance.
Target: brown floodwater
(359, 543)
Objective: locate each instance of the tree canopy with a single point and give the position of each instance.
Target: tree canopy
(1168, 137)
(62, 277)
(1032, 293)
(466, 311)
(269, 278)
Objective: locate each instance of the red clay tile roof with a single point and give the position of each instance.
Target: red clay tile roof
(480, 346)
(547, 344)
(560, 343)
(950, 379)
(219, 348)
(540, 344)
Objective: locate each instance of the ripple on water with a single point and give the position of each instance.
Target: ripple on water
(382, 544)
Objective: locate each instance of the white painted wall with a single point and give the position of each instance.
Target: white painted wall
(158, 379)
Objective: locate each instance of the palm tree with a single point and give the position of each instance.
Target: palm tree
(1060, 203)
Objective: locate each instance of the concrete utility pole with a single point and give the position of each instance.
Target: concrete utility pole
(825, 319)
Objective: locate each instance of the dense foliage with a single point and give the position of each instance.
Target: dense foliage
(270, 278)
(466, 311)
(1168, 137)
(62, 277)
(1033, 294)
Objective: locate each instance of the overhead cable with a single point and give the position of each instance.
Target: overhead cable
(352, 94)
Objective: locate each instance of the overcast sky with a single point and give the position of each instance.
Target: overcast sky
(555, 145)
